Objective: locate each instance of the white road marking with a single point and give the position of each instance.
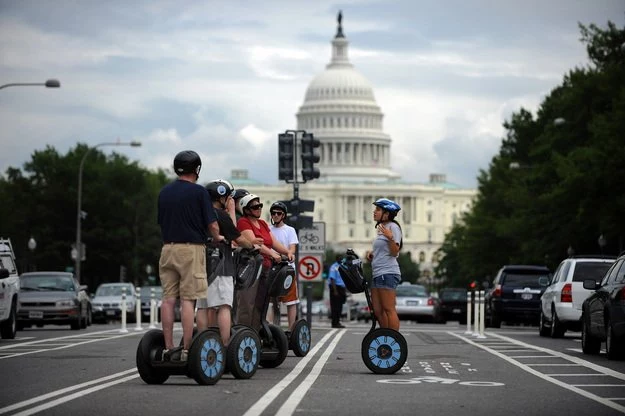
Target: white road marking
(262, 403)
(65, 390)
(562, 384)
(298, 394)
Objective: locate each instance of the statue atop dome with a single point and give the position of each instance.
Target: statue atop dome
(339, 30)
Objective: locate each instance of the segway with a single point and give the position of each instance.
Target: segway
(384, 350)
(243, 352)
(300, 337)
(205, 363)
(275, 344)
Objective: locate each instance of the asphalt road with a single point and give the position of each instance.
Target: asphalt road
(512, 371)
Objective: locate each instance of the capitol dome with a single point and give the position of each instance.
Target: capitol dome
(340, 110)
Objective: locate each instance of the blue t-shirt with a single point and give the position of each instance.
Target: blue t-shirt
(333, 274)
(184, 212)
(383, 261)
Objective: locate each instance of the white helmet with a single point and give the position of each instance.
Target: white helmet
(244, 202)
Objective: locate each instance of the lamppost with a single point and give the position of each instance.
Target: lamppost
(32, 245)
(51, 83)
(78, 249)
(602, 242)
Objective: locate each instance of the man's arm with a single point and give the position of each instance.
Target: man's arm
(213, 230)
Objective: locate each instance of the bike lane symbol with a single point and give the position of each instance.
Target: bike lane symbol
(441, 380)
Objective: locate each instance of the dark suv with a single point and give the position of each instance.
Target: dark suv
(515, 295)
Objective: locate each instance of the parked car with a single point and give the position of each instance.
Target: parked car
(414, 302)
(561, 304)
(107, 302)
(453, 304)
(359, 307)
(603, 313)
(53, 298)
(515, 295)
(9, 290)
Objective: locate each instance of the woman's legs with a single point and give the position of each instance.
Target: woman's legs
(378, 308)
(388, 310)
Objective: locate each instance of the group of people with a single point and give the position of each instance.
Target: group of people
(189, 214)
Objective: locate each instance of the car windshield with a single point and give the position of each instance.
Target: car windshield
(112, 290)
(404, 291)
(47, 283)
(590, 270)
(146, 292)
(454, 295)
(529, 279)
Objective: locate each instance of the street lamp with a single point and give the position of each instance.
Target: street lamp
(51, 83)
(32, 245)
(602, 242)
(78, 249)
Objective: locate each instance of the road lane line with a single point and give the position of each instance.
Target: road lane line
(74, 396)
(73, 344)
(262, 403)
(296, 397)
(530, 370)
(39, 341)
(47, 396)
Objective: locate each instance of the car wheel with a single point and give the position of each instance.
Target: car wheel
(8, 328)
(495, 321)
(75, 325)
(556, 327)
(613, 346)
(543, 329)
(590, 344)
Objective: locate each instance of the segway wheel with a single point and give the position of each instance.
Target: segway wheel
(300, 338)
(236, 328)
(384, 351)
(281, 343)
(243, 354)
(151, 344)
(207, 358)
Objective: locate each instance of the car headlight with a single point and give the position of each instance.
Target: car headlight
(64, 303)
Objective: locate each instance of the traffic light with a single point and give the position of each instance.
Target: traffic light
(296, 207)
(286, 149)
(310, 156)
(473, 285)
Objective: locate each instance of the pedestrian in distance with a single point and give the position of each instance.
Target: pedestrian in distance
(186, 217)
(338, 294)
(214, 309)
(287, 236)
(252, 226)
(386, 274)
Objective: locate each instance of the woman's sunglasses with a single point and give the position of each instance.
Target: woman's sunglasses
(257, 206)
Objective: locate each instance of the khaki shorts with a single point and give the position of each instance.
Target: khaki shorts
(291, 297)
(182, 269)
(219, 293)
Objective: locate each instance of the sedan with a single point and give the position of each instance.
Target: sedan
(603, 313)
(414, 302)
(52, 298)
(453, 303)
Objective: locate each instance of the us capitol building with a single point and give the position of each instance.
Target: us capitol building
(340, 110)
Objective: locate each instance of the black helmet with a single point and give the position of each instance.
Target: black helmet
(240, 193)
(280, 206)
(218, 188)
(186, 162)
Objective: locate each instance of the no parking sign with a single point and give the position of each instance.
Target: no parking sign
(309, 267)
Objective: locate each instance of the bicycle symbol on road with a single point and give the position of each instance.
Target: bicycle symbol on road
(309, 238)
(432, 379)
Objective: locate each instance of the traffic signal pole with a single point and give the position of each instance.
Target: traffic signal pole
(287, 147)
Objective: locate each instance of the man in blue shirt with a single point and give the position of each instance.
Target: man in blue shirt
(186, 217)
(337, 293)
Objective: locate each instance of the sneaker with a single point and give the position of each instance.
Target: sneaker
(164, 355)
(174, 354)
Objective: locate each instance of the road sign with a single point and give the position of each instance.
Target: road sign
(313, 240)
(310, 267)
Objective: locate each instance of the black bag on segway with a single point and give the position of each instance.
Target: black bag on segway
(350, 270)
(248, 264)
(215, 261)
(280, 278)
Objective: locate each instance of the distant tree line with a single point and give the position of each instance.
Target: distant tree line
(556, 184)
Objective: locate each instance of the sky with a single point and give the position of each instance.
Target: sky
(225, 77)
